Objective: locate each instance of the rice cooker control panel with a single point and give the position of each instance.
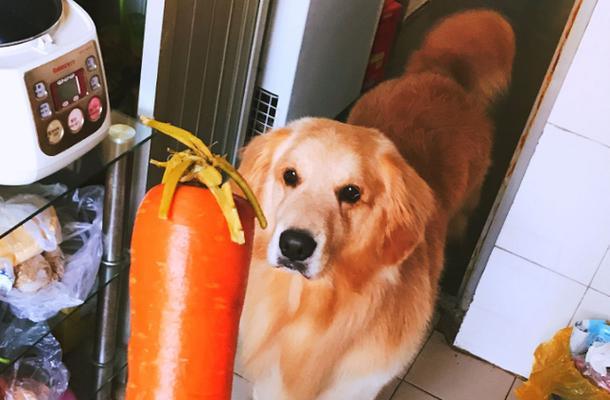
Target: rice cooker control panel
(68, 98)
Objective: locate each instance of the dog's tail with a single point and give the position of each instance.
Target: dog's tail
(475, 48)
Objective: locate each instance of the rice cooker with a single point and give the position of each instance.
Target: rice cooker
(53, 99)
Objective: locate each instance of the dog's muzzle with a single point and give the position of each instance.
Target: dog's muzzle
(296, 247)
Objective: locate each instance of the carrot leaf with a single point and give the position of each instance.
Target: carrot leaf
(199, 163)
(176, 167)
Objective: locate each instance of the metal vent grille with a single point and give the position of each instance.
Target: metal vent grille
(264, 107)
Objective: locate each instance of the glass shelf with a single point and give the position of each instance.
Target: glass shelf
(75, 332)
(83, 171)
(82, 372)
(79, 361)
(53, 324)
(114, 384)
(76, 327)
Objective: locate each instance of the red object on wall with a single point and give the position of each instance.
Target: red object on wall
(384, 38)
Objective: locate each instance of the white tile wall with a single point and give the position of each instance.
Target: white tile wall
(554, 243)
(601, 281)
(517, 306)
(583, 105)
(594, 305)
(561, 215)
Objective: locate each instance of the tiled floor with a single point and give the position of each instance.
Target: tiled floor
(438, 373)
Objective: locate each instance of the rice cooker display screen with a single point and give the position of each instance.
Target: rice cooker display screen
(68, 89)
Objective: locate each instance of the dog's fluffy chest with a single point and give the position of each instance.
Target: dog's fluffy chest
(291, 333)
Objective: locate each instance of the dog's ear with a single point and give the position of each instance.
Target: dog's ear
(257, 156)
(408, 205)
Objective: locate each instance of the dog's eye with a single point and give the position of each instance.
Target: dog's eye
(349, 194)
(290, 177)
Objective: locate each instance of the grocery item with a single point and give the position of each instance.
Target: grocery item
(53, 278)
(39, 271)
(190, 255)
(41, 233)
(36, 371)
(560, 366)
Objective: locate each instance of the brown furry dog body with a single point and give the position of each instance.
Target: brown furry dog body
(343, 282)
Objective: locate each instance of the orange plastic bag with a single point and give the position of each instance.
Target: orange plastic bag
(554, 372)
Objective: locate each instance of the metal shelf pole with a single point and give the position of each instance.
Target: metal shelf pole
(120, 138)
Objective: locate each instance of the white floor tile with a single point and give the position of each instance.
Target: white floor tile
(582, 105)
(450, 375)
(406, 391)
(593, 306)
(511, 395)
(387, 392)
(560, 216)
(242, 389)
(517, 306)
(238, 368)
(601, 281)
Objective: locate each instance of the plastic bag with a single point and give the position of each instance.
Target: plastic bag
(81, 225)
(40, 233)
(590, 347)
(39, 373)
(554, 372)
(20, 207)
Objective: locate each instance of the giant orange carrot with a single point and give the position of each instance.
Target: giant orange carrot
(191, 249)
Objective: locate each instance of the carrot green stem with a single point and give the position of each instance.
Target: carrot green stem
(241, 182)
(176, 167)
(199, 163)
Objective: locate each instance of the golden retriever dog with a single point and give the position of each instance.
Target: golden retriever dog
(344, 280)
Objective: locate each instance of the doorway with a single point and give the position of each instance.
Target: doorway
(538, 28)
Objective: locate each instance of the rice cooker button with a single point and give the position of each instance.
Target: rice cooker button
(76, 119)
(91, 63)
(94, 108)
(45, 110)
(40, 90)
(55, 131)
(95, 82)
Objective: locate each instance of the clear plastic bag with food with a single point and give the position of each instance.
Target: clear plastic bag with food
(37, 374)
(40, 233)
(56, 255)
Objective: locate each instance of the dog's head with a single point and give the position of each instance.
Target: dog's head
(340, 200)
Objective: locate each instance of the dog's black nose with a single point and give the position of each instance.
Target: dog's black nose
(297, 245)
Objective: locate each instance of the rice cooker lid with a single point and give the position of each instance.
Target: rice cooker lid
(23, 20)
